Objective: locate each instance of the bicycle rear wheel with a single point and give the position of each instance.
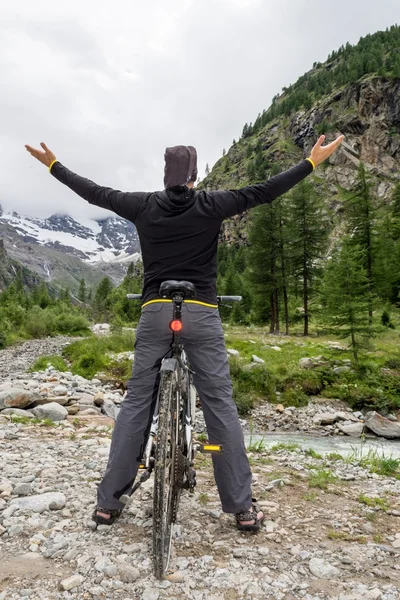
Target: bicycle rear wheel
(165, 475)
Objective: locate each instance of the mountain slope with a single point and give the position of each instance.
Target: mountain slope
(366, 111)
(62, 250)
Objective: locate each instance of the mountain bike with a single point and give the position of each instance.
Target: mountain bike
(170, 447)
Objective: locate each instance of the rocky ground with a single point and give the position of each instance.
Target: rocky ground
(332, 528)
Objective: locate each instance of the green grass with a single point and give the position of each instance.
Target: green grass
(321, 478)
(374, 502)
(54, 360)
(202, 437)
(334, 456)
(33, 421)
(346, 537)
(368, 386)
(310, 496)
(288, 446)
(256, 446)
(311, 452)
(376, 462)
(203, 499)
(89, 356)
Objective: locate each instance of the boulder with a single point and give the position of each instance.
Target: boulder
(322, 569)
(382, 426)
(17, 398)
(62, 400)
(60, 390)
(52, 411)
(326, 418)
(41, 502)
(313, 362)
(350, 428)
(109, 409)
(18, 411)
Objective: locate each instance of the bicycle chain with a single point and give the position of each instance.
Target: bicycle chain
(179, 472)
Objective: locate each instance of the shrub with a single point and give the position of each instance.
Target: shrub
(250, 384)
(294, 396)
(311, 382)
(55, 361)
(71, 323)
(3, 339)
(39, 323)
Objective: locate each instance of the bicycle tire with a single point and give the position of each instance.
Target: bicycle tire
(162, 526)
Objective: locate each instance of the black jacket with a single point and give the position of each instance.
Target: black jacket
(178, 228)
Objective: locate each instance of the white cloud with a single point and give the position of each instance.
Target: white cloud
(109, 85)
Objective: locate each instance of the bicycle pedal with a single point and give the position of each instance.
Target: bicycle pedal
(211, 449)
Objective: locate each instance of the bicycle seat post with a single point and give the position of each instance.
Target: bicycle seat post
(176, 325)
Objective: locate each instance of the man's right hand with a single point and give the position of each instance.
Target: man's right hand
(44, 156)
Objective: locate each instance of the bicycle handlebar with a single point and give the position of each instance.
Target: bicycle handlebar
(229, 299)
(220, 298)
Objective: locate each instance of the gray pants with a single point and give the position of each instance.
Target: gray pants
(204, 342)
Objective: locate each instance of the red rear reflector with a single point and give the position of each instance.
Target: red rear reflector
(176, 325)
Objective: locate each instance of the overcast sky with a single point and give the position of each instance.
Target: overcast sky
(108, 85)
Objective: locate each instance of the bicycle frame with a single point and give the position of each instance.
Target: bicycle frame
(178, 359)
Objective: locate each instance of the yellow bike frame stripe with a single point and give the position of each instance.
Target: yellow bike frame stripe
(186, 301)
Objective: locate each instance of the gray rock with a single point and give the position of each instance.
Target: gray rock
(71, 582)
(90, 411)
(128, 574)
(322, 569)
(351, 429)
(313, 362)
(52, 411)
(23, 489)
(338, 370)
(257, 359)
(382, 426)
(325, 418)
(233, 352)
(17, 398)
(60, 390)
(110, 409)
(58, 399)
(41, 502)
(19, 412)
(150, 594)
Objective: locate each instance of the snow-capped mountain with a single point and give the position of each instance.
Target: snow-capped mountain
(112, 240)
(62, 250)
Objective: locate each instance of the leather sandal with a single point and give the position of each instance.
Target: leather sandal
(250, 515)
(99, 520)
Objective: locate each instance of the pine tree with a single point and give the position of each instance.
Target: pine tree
(361, 217)
(102, 301)
(207, 170)
(308, 239)
(345, 295)
(82, 291)
(263, 270)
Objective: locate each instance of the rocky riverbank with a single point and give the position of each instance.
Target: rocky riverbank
(332, 528)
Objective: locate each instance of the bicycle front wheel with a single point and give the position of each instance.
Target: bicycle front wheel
(164, 473)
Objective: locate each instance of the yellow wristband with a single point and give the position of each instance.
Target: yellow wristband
(312, 162)
(51, 165)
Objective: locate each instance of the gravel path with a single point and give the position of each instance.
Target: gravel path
(15, 360)
(315, 543)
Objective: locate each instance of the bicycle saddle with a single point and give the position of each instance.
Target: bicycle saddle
(171, 287)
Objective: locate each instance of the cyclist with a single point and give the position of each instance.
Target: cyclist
(178, 230)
